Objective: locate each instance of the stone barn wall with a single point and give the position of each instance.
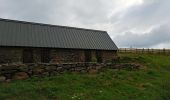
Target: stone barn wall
(15, 55)
(109, 56)
(66, 55)
(10, 55)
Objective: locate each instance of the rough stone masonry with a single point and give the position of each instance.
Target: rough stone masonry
(10, 72)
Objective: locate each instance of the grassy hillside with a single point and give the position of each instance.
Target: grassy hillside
(150, 82)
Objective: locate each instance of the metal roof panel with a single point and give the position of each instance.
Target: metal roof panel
(20, 33)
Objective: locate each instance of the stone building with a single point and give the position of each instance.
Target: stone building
(29, 42)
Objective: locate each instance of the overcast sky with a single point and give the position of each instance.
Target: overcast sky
(130, 23)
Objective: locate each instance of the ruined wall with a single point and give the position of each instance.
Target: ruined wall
(108, 56)
(23, 71)
(10, 72)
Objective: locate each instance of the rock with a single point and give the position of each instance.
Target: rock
(60, 69)
(20, 76)
(80, 64)
(7, 71)
(93, 71)
(2, 78)
(8, 76)
(38, 71)
(9, 67)
(51, 68)
(54, 73)
(67, 66)
(8, 80)
(45, 74)
(23, 68)
(79, 69)
(83, 71)
(98, 67)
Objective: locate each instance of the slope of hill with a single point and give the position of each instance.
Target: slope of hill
(150, 82)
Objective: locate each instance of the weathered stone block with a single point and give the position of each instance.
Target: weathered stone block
(92, 71)
(9, 67)
(38, 71)
(54, 73)
(51, 68)
(23, 68)
(80, 69)
(60, 69)
(3, 72)
(45, 74)
(20, 76)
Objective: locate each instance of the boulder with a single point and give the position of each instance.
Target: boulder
(60, 69)
(9, 67)
(20, 76)
(9, 71)
(23, 68)
(51, 68)
(38, 71)
(79, 69)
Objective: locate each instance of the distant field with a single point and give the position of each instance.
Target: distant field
(150, 82)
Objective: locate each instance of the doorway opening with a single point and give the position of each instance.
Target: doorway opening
(99, 56)
(87, 56)
(45, 55)
(28, 56)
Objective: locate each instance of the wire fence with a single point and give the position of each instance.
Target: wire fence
(144, 50)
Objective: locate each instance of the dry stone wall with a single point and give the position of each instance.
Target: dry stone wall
(23, 71)
(10, 72)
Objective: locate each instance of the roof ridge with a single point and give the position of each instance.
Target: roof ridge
(51, 25)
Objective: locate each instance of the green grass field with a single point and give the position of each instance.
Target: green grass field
(150, 82)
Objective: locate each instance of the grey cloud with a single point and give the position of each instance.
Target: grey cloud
(55, 11)
(35, 10)
(159, 35)
(94, 14)
(143, 16)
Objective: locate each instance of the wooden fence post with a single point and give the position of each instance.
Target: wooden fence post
(148, 50)
(163, 50)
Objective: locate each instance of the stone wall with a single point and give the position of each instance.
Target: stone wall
(10, 55)
(23, 71)
(10, 72)
(67, 55)
(109, 56)
(15, 55)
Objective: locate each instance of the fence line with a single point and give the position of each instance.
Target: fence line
(144, 50)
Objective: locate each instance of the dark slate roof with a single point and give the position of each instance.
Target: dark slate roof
(29, 34)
